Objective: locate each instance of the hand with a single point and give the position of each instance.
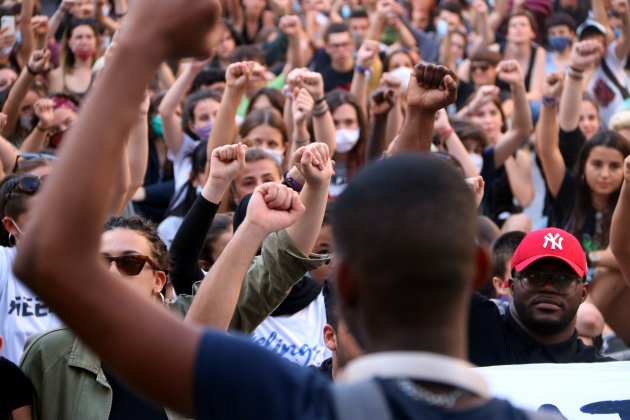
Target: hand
(196, 65)
(314, 84)
(441, 121)
(238, 74)
(40, 25)
(67, 5)
(367, 53)
(382, 101)
(302, 105)
(392, 82)
(554, 83)
(477, 185)
(383, 8)
(431, 88)
(3, 120)
(290, 25)
(314, 163)
(39, 61)
(510, 72)
(43, 109)
(621, 7)
(480, 7)
(225, 164)
(585, 53)
(172, 28)
(273, 207)
(295, 76)
(483, 95)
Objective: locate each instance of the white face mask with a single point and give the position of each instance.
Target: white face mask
(199, 189)
(278, 155)
(346, 140)
(477, 160)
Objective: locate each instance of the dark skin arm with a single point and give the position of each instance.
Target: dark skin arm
(430, 89)
(62, 263)
(381, 102)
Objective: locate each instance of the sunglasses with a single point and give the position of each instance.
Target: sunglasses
(482, 67)
(562, 282)
(130, 265)
(27, 184)
(31, 156)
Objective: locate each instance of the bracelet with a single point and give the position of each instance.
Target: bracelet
(292, 183)
(40, 128)
(30, 70)
(575, 76)
(363, 70)
(316, 113)
(446, 133)
(319, 101)
(550, 102)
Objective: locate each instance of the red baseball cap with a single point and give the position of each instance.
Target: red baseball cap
(550, 243)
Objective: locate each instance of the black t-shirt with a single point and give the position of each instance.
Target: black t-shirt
(15, 389)
(496, 339)
(498, 200)
(126, 405)
(332, 79)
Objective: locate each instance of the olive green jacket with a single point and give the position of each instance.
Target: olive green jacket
(68, 379)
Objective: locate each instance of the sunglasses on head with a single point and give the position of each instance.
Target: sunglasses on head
(31, 156)
(27, 184)
(130, 265)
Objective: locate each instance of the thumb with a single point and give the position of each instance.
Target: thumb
(296, 204)
(451, 87)
(241, 151)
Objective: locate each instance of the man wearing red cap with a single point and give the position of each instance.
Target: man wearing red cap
(548, 285)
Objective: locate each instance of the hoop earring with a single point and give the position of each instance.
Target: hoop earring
(12, 240)
(161, 297)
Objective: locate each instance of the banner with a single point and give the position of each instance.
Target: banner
(578, 390)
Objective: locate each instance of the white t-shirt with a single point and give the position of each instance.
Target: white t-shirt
(603, 90)
(182, 162)
(298, 338)
(22, 314)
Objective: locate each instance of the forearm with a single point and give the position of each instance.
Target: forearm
(215, 302)
(305, 230)
(138, 155)
(324, 130)
(176, 93)
(188, 243)
(601, 15)
(548, 149)
(520, 180)
(224, 129)
(35, 141)
(394, 122)
(8, 154)
(376, 143)
(26, 29)
(522, 121)
(416, 133)
(377, 23)
(570, 101)
(55, 22)
(16, 95)
(405, 37)
(295, 57)
(459, 152)
(359, 88)
(619, 232)
(300, 137)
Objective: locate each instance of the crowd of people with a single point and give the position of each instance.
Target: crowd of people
(353, 186)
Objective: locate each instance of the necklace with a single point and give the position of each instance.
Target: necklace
(418, 393)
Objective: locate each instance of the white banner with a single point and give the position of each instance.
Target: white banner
(578, 390)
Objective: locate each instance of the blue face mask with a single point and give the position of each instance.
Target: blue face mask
(559, 43)
(156, 124)
(441, 28)
(346, 12)
(204, 131)
(617, 32)
(18, 38)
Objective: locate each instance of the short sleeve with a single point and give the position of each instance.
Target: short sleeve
(7, 255)
(17, 389)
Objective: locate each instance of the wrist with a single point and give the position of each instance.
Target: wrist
(42, 126)
(291, 181)
(30, 70)
(214, 190)
(364, 70)
(254, 231)
(445, 132)
(550, 102)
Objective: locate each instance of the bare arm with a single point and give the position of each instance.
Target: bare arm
(367, 55)
(301, 108)
(37, 138)
(454, 145)
(57, 17)
(498, 14)
(510, 72)
(138, 151)
(547, 134)
(520, 178)
(26, 29)
(538, 75)
(323, 124)
(292, 28)
(619, 232)
(62, 264)
(600, 14)
(623, 42)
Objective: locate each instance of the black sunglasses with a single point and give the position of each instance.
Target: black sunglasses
(31, 156)
(27, 184)
(130, 265)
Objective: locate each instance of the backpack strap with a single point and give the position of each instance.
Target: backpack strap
(611, 76)
(362, 400)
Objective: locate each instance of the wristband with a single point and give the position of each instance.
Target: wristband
(446, 133)
(292, 183)
(363, 70)
(316, 113)
(30, 70)
(319, 101)
(550, 102)
(40, 128)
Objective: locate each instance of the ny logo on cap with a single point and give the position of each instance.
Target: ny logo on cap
(555, 240)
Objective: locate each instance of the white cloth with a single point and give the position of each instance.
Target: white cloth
(298, 338)
(22, 313)
(182, 162)
(603, 90)
(168, 229)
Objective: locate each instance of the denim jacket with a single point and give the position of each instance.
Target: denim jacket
(68, 379)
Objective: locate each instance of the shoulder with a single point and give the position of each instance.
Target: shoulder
(49, 346)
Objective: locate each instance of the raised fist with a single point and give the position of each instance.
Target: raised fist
(586, 53)
(510, 72)
(553, 85)
(431, 87)
(302, 105)
(226, 162)
(367, 53)
(382, 101)
(314, 163)
(273, 207)
(238, 74)
(290, 24)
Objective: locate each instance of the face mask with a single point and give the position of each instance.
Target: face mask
(617, 32)
(441, 28)
(458, 61)
(199, 189)
(56, 139)
(559, 43)
(18, 38)
(26, 121)
(204, 131)
(278, 155)
(156, 125)
(346, 12)
(84, 53)
(477, 160)
(346, 140)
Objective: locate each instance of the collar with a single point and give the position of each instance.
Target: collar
(418, 366)
(82, 357)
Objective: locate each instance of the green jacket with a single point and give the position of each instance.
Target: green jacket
(68, 380)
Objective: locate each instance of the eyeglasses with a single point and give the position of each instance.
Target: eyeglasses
(341, 45)
(130, 265)
(31, 156)
(482, 67)
(563, 283)
(27, 184)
